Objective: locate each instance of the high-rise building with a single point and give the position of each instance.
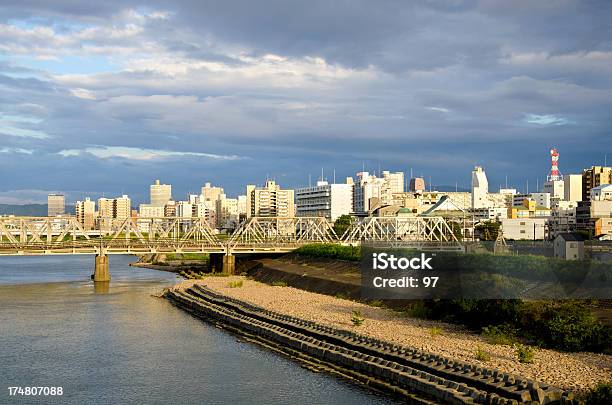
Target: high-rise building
(160, 193)
(56, 205)
(170, 209)
(556, 189)
(85, 212)
(394, 181)
(115, 208)
(270, 201)
(572, 188)
(593, 177)
(226, 212)
(480, 188)
(211, 193)
(122, 207)
(367, 193)
(324, 200)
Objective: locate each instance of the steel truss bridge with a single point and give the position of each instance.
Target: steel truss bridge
(66, 235)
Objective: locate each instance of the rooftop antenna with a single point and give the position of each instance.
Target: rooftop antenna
(334, 176)
(429, 183)
(456, 186)
(322, 179)
(309, 180)
(554, 166)
(411, 173)
(527, 187)
(506, 181)
(362, 166)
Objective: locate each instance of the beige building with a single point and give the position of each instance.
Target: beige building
(115, 208)
(85, 213)
(151, 211)
(56, 205)
(524, 228)
(569, 246)
(160, 194)
(270, 201)
(572, 187)
(226, 212)
(210, 193)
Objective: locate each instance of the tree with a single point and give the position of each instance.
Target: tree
(342, 223)
(456, 228)
(488, 230)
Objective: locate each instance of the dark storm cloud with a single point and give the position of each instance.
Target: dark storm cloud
(286, 87)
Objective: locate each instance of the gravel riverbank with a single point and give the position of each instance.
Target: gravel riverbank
(575, 371)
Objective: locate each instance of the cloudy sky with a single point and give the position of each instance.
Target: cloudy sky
(104, 97)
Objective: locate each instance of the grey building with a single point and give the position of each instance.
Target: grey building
(569, 246)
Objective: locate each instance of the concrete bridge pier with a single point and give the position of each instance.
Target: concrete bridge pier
(222, 263)
(101, 269)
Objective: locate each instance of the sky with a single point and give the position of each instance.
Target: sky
(102, 98)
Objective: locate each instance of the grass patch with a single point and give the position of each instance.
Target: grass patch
(357, 318)
(235, 284)
(482, 355)
(524, 353)
(279, 283)
(435, 331)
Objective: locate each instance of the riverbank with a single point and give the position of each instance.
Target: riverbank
(570, 371)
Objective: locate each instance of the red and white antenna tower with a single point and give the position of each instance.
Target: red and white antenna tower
(554, 166)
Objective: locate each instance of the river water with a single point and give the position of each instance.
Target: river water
(121, 345)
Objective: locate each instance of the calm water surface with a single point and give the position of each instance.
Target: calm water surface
(120, 345)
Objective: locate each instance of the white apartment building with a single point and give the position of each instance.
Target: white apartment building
(324, 200)
(226, 212)
(211, 193)
(160, 194)
(367, 190)
(85, 213)
(524, 228)
(555, 188)
(541, 199)
(602, 193)
(122, 207)
(270, 201)
(184, 209)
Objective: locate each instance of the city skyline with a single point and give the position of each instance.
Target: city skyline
(200, 91)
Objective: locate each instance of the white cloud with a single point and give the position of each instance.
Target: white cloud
(439, 109)
(546, 119)
(140, 154)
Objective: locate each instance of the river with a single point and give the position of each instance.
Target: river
(121, 345)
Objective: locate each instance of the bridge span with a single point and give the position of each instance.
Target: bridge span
(138, 236)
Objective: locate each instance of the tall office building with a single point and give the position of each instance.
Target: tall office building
(324, 200)
(85, 212)
(56, 205)
(593, 177)
(368, 193)
(480, 188)
(160, 193)
(270, 201)
(572, 188)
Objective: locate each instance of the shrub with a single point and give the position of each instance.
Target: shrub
(279, 284)
(357, 319)
(419, 310)
(601, 394)
(235, 284)
(482, 355)
(435, 331)
(524, 353)
(499, 335)
(331, 250)
(376, 303)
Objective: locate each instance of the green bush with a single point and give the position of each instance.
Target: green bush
(600, 395)
(375, 303)
(357, 319)
(500, 334)
(331, 250)
(279, 284)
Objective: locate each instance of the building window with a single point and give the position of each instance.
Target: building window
(522, 231)
(522, 223)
